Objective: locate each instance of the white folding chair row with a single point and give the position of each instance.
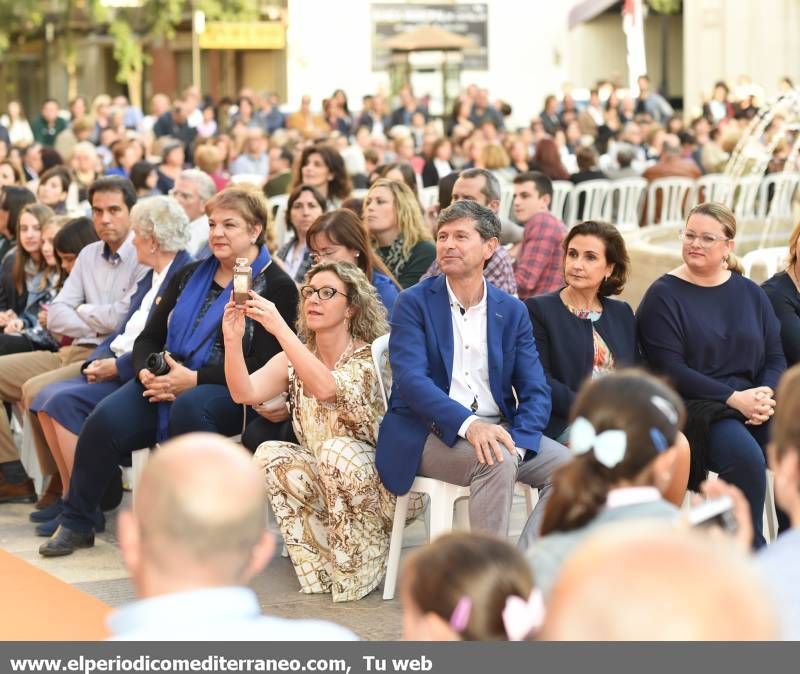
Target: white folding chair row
(625, 202)
(745, 205)
(562, 189)
(776, 193)
(587, 201)
(668, 200)
(715, 187)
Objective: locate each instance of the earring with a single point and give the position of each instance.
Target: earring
(358, 253)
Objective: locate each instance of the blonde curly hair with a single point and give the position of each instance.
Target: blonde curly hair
(368, 320)
(406, 210)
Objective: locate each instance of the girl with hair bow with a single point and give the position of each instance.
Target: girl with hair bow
(469, 587)
(623, 432)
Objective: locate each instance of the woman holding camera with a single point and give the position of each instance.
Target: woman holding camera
(178, 361)
(333, 511)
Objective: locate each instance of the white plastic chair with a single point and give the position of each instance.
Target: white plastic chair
(676, 196)
(783, 187)
(594, 194)
(443, 497)
(506, 201)
(715, 187)
(428, 196)
(745, 197)
(277, 209)
(625, 202)
(559, 202)
(770, 258)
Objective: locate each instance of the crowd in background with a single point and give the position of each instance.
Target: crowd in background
(97, 278)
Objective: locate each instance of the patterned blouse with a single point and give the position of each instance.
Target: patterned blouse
(356, 413)
(603, 360)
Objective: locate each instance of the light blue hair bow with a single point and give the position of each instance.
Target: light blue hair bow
(609, 446)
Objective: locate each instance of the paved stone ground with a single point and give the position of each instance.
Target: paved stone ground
(99, 572)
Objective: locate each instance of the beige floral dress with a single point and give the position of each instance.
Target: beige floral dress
(333, 511)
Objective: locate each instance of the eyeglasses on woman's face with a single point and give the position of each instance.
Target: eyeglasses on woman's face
(324, 293)
(703, 240)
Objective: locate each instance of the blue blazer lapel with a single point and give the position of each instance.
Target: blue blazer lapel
(442, 323)
(495, 325)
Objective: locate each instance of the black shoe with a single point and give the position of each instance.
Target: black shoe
(65, 541)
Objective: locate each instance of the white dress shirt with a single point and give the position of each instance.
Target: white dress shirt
(123, 343)
(470, 379)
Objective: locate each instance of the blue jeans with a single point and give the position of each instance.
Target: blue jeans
(737, 455)
(124, 422)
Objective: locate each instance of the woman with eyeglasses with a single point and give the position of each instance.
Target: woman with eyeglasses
(340, 236)
(714, 333)
(333, 511)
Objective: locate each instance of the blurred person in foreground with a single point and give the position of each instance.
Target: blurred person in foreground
(194, 539)
(778, 561)
(635, 584)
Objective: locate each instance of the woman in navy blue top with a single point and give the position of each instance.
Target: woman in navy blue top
(783, 291)
(582, 333)
(715, 335)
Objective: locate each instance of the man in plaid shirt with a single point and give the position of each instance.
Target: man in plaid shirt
(539, 267)
(483, 187)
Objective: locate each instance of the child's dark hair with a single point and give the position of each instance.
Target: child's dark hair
(483, 569)
(650, 414)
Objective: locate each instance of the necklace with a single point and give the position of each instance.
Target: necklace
(576, 307)
(348, 351)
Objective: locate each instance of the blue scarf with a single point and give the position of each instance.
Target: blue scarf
(187, 343)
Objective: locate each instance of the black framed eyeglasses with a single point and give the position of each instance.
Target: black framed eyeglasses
(324, 293)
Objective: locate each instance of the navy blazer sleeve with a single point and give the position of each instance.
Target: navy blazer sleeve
(409, 357)
(562, 395)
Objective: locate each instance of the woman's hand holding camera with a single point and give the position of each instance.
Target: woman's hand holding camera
(233, 323)
(167, 387)
(265, 312)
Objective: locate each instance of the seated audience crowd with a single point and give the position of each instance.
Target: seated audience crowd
(210, 270)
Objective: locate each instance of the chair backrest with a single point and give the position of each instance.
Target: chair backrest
(715, 187)
(775, 194)
(255, 178)
(562, 191)
(745, 197)
(625, 202)
(770, 258)
(506, 200)
(380, 358)
(428, 196)
(587, 201)
(668, 200)
(277, 208)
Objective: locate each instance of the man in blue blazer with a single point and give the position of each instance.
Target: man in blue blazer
(469, 397)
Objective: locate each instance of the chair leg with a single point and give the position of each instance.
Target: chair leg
(441, 514)
(531, 498)
(769, 508)
(462, 514)
(395, 547)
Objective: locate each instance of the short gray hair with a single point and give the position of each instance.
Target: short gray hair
(491, 186)
(163, 219)
(205, 186)
(486, 221)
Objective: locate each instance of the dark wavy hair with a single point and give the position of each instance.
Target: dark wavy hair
(616, 253)
(339, 185)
